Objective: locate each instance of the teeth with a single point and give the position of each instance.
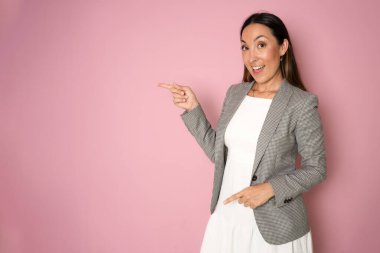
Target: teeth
(258, 67)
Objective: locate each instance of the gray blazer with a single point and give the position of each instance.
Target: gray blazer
(292, 125)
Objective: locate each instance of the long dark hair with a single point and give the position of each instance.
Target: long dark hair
(288, 64)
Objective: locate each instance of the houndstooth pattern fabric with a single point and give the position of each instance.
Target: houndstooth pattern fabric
(292, 126)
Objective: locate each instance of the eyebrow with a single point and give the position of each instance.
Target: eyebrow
(255, 38)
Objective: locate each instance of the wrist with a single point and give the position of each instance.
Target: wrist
(191, 108)
(270, 189)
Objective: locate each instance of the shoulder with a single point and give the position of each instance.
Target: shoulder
(241, 84)
(300, 98)
(301, 95)
(235, 87)
(299, 102)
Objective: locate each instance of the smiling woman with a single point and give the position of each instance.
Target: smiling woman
(265, 41)
(257, 203)
(278, 222)
(262, 54)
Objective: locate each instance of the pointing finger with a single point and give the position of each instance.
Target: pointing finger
(173, 87)
(232, 198)
(165, 85)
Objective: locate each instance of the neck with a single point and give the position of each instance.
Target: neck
(271, 85)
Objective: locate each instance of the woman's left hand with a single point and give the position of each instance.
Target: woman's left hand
(253, 196)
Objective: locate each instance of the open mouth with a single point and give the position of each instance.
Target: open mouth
(258, 69)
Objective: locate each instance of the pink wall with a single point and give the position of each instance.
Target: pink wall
(94, 156)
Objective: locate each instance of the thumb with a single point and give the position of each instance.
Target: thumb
(177, 85)
(181, 87)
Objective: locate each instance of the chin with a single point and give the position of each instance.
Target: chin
(259, 80)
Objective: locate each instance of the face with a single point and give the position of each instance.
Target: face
(261, 54)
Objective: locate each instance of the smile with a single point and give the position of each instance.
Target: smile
(258, 69)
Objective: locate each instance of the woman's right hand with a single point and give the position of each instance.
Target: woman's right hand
(183, 96)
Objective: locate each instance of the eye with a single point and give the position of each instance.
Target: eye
(261, 45)
(243, 48)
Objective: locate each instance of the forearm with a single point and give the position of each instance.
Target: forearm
(198, 125)
(287, 187)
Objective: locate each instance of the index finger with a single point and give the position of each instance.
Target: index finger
(231, 198)
(175, 88)
(165, 85)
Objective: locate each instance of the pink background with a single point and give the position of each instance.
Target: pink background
(94, 156)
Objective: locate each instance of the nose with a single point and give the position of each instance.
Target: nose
(252, 56)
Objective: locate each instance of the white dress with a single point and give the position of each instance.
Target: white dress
(232, 227)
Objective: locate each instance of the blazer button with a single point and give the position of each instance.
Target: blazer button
(254, 178)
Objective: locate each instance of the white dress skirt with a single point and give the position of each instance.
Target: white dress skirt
(232, 227)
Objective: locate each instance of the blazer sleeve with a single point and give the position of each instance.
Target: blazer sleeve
(311, 147)
(199, 126)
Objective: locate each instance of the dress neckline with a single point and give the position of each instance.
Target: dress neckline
(269, 99)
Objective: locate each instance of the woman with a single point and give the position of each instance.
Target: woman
(257, 203)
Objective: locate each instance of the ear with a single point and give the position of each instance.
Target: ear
(284, 47)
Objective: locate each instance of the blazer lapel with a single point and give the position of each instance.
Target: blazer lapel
(271, 121)
(276, 109)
